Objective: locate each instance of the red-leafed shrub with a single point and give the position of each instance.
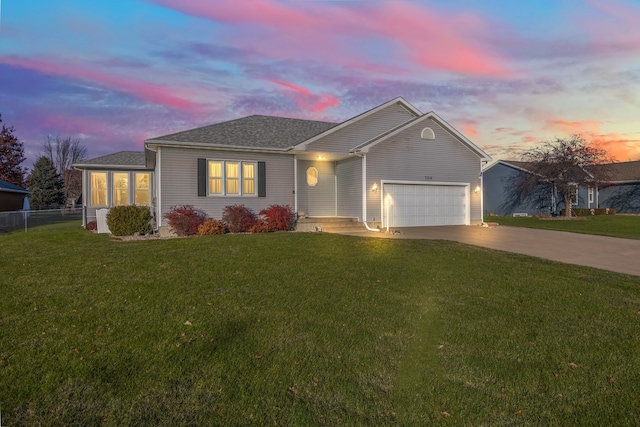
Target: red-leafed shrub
(91, 226)
(279, 217)
(238, 218)
(261, 226)
(185, 219)
(210, 227)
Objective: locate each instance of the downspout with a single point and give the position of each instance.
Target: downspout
(364, 193)
(85, 177)
(482, 192)
(295, 183)
(157, 181)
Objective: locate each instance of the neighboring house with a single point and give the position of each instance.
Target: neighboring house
(13, 197)
(624, 192)
(391, 166)
(621, 193)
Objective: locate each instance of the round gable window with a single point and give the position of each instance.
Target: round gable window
(312, 176)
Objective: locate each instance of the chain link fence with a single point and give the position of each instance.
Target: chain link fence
(24, 220)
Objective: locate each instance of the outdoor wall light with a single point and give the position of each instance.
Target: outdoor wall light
(374, 187)
(477, 189)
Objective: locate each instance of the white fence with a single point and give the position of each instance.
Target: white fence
(23, 220)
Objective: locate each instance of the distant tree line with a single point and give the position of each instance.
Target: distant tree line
(52, 181)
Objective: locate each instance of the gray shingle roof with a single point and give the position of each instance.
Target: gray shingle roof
(625, 171)
(261, 132)
(7, 186)
(619, 172)
(122, 158)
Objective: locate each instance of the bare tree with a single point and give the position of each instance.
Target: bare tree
(563, 165)
(63, 153)
(520, 192)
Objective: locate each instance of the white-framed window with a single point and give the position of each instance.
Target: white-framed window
(590, 193)
(573, 189)
(142, 189)
(231, 178)
(120, 188)
(98, 188)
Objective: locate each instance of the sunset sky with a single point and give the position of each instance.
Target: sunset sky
(505, 73)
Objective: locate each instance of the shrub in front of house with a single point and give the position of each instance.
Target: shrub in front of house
(279, 217)
(589, 212)
(239, 218)
(261, 226)
(91, 226)
(211, 227)
(128, 220)
(184, 220)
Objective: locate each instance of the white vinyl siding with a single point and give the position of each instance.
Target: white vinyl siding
(318, 200)
(179, 180)
(361, 131)
(349, 178)
(407, 157)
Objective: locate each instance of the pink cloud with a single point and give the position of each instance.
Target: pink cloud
(620, 146)
(159, 94)
(616, 27)
(588, 127)
(470, 130)
(435, 40)
(353, 34)
(307, 100)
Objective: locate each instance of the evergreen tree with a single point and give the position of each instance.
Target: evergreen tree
(45, 184)
(11, 155)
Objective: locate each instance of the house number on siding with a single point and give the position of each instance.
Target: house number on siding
(428, 178)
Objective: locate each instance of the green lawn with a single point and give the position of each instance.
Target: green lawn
(626, 226)
(308, 329)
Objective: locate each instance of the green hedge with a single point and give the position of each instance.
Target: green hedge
(128, 220)
(587, 211)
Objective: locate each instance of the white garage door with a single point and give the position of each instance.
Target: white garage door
(416, 205)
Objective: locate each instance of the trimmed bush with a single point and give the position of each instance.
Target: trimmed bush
(210, 227)
(589, 212)
(128, 220)
(279, 217)
(184, 220)
(261, 226)
(238, 218)
(91, 226)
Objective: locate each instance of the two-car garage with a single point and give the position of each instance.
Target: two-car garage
(424, 204)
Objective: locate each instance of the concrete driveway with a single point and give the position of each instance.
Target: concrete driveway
(607, 253)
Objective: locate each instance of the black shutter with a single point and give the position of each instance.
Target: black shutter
(262, 179)
(202, 177)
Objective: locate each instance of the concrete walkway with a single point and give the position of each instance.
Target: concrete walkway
(607, 253)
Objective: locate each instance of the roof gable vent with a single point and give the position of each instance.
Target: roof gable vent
(427, 133)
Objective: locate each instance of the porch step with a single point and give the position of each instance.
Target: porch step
(329, 225)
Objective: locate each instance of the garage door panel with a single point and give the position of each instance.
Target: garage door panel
(412, 205)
